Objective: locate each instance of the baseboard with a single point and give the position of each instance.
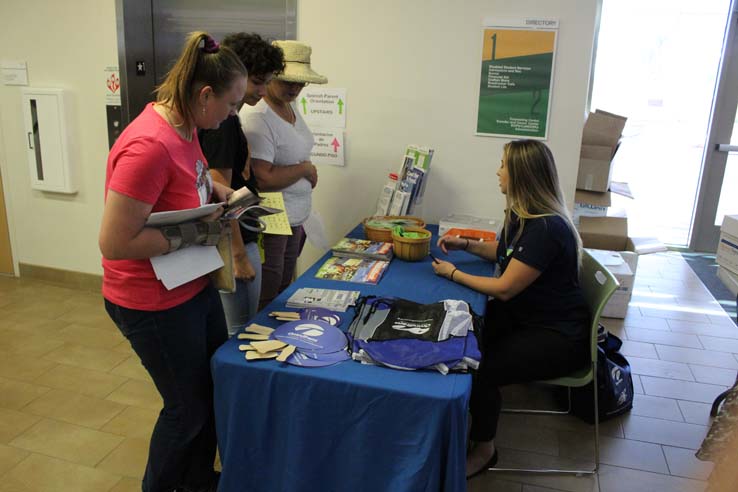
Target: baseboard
(64, 278)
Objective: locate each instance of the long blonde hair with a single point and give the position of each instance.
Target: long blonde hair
(533, 188)
(198, 66)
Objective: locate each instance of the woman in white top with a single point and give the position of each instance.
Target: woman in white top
(280, 143)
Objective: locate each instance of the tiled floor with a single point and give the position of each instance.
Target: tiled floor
(76, 407)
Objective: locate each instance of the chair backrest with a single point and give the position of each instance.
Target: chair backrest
(598, 285)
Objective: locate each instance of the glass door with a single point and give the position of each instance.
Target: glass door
(717, 196)
(657, 63)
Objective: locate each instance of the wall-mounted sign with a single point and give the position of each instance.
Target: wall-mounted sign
(516, 80)
(323, 107)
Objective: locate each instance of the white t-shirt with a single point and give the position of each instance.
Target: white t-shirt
(272, 139)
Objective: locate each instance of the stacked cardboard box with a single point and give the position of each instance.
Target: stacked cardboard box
(727, 253)
(600, 226)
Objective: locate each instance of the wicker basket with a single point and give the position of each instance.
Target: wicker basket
(382, 234)
(411, 249)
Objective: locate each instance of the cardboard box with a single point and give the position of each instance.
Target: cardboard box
(600, 138)
(623, 265)
(603, 128)
(727, 250)
(590, 204)
(729, 279)
(611, 233)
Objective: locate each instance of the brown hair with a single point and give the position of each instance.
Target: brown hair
(533, 188)
(198, 66)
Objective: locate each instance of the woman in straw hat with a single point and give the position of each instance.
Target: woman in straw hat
(280, 143)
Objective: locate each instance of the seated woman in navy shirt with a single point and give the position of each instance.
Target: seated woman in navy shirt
(537, 325)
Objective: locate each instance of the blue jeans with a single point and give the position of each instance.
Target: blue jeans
(175, 346)
(241, 306)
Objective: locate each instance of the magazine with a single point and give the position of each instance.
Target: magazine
(349, 247)
(352, 270)
(335, 300)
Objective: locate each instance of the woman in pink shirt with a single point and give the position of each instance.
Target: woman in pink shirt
(157, 165)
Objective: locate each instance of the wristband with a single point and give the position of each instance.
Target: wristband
(466, 247)
(183, 235)
(452, 274)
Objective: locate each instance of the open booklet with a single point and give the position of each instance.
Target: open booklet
(187, 264)
(243, 204)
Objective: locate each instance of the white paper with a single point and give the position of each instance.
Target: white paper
(182, 266)
(328, 147)
(607, 258)
(323, 107)
(315, 231)
(13, 72)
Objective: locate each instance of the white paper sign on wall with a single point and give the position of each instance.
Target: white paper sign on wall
(328, 148)
(323, 107)
(14, 72)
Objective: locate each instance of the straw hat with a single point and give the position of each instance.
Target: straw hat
(297, 63)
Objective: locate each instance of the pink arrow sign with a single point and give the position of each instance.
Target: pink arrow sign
(335, 144)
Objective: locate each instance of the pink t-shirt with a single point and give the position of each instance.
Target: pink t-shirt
(150, 162)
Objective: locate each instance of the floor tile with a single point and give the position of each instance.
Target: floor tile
(646, 323)
(656, 407)
(89, 358)
(137, 394)
(695, 412)
(89, 336)
(570, 483)
(696, 356)
(132, 422)
(128, 459)
(68, 442)
(683, 463)
(658, 431)
(14, 423)
(660, 368)
(714, 375)
(23, 367)
(127, 485)
(686, 314)
(637, 385)
(703, 329)
(638, 349)
(664, 337)
(39, 473)
(15, 342)
(719, 344)
(9, 457)
(493, 482)
(74, 408)
(17, 394)
(618, 452)
(616, 479)
(681, 390)
(84, 381)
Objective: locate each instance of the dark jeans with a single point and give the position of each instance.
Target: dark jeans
(280, 258)
(514, 354)
(175, 347)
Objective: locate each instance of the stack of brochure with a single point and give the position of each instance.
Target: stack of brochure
(335, 300)
(350, 247)
(411, 182)
(352, 270)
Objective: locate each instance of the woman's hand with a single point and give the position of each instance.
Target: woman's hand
(242, 267)
(448, 243)
(443, 268)
(311, 173)
(221, 192)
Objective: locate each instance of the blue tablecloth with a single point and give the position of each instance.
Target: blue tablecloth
(347, 427)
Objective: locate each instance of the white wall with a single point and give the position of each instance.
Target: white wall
(411, 70)
(66, 45)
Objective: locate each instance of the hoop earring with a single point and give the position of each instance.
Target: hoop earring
(203, 110)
